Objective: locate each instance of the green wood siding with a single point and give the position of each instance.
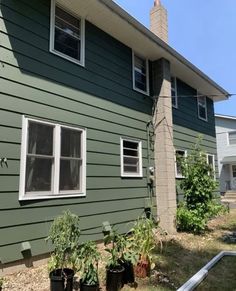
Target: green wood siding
(187, 126)
(98, 97)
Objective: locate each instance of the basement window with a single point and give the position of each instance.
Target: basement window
(174, 93)
(131, 158)
(202, 107)
(140, 74)
(179, 156)
(66, 34)
(53, 160)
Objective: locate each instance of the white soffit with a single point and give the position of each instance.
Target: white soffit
(112, 19)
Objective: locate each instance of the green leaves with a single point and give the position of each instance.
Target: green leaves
(88, 261)
(198, 185)
(64, 235)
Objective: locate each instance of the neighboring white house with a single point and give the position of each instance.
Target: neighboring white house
(226, 150)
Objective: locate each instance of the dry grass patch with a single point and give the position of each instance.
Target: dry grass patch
(182, 256)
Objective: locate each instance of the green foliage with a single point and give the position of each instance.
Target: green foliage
(198, 185)
(64, 235)
(88, 260)
(116, 248)
(1, 282)
(143, 238)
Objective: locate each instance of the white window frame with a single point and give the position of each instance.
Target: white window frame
(126, 174)
(147, 92)
(178, 176)
(229, 132)
(80, 62)
(55, 193)
(174, 88)
(213, 165)
(203, 106)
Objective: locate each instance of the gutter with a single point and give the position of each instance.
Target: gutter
(141, 28)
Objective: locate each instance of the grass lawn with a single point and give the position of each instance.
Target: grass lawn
(181, 257)
(184, 254)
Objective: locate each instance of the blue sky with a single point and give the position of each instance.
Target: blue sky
(204, 32)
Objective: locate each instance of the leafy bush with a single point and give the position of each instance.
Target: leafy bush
(198, 185)
(64, 235)
(88, 259)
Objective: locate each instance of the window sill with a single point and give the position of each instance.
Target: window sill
(203, 119)
(29, 197)
(141, 91)
(80, 63)
(131, 176)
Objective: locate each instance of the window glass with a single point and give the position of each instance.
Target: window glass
(174, 92)
(54, 160)
(232, 138)
(140, 74)
(180, 154)
(40, 139)
(131, 158)
(67, 34)
(202, 107)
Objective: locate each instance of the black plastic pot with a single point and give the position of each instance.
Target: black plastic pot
(128, 275)
(61, 280)
(114, 280)
(86, 287)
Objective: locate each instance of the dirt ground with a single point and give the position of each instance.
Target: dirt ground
(185, 250)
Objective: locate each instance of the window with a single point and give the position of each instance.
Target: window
(179, 155)
(211, 162)
(67, 34)
(202, 107)
(174, 92)
(232, 138)
(140, 74)
(53, 160)
(131, 158)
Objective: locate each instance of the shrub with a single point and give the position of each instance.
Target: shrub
(198, 185)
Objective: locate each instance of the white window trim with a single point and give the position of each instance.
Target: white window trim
(54, 194)
(185, 155)
(204, 119)
(214, 166)
(228, 133)
(176, 93)
(147, 74)
(135, 175)
(52, 36)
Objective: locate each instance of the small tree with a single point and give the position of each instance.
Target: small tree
(198, 185)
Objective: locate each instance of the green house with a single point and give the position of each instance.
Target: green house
(92, 112)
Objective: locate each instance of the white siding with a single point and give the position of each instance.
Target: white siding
(223, 126)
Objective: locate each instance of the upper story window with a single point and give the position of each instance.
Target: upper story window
(174, 93)
(53, 160)
(140, 74)
(179, 156)
(202, 107)
(131, 158)
(67, 34)
(232, 138)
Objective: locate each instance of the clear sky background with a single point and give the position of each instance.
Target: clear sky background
(204, 32)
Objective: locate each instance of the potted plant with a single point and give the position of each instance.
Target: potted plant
(89, 258)
(64, 235)
(114, 268)
(143, 241)
(129, 258)
(1, 283)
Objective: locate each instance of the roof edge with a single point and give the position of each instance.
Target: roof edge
(140, 27)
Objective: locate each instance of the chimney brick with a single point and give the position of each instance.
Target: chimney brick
(159, 21)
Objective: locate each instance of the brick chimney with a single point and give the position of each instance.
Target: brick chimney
(159, 21)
